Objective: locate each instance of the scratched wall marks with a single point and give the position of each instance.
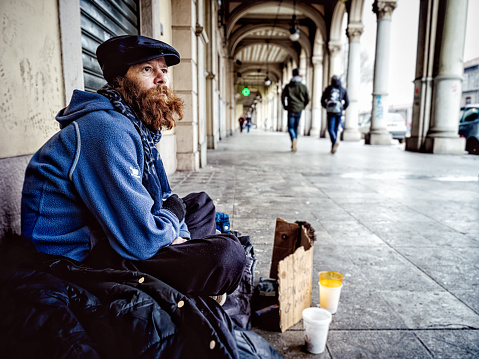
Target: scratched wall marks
(31, 76)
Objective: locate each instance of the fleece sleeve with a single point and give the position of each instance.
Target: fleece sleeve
(108, 177)
(184, 232)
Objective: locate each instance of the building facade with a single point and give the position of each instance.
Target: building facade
(470, 86)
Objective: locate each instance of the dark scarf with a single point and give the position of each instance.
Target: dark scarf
(154, 174)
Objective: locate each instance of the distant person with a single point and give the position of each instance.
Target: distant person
(241, 121)
(248, 122)
(295, 98)
(335, 100)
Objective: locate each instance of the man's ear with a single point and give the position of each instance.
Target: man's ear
(117, 83)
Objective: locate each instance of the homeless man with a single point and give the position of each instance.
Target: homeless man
(97, 191)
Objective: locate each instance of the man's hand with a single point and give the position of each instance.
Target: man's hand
(176, 205)
(178, 240)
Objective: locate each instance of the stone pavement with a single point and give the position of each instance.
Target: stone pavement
(402, 227)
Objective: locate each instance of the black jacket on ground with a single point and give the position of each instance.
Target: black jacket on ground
(54, 307)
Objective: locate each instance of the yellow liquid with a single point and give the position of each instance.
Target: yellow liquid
(330, 283)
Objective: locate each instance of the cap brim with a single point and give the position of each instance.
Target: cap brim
(170, 59)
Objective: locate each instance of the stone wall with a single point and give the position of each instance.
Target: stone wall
(12, 171)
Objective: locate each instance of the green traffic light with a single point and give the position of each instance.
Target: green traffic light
(246, 91)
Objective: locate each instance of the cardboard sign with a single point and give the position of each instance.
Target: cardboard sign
(292, 265)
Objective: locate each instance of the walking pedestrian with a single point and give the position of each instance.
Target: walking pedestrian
(295, 97)
(248, 122)
(335, 100)
(241, 121)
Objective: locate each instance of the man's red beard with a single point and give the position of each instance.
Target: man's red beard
(158, 107)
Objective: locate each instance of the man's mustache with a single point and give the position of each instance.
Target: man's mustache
(161, 90)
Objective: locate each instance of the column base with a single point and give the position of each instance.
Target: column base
(445, 145)
(378, 138)
(203, 151)
(188, 161)
(414, 144)
(212, 142)
(314, 132)
(351, 135)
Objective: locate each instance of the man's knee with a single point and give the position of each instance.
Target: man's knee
(198, 197)
(199, 201)
(231, 252)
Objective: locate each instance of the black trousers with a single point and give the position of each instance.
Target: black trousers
(208, 264)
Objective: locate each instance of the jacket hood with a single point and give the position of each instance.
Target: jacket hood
(81, 104)
(296, 79)
(336, 82)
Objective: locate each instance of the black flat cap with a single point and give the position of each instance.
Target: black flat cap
(117, 54)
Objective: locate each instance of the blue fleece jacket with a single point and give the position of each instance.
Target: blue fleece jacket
(85, 184)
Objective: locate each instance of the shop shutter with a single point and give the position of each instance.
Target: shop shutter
(100, 20)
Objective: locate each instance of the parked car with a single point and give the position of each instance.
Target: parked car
(395, 124)
(469, 127)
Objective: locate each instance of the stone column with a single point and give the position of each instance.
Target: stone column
(316, 96)
(442, 136)
(230, 95)
(423, 82)
(378, 134)
(185, 83)
(334, 58)
(279, 113)
(202, 42)
(351, 132)
(212, 116)
(326, 80)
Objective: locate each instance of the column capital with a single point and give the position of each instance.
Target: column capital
(317, 60)
(354, 31)
(384, 8)
(334, 48)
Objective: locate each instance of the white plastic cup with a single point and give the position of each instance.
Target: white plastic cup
(316, 326)
(329, 298)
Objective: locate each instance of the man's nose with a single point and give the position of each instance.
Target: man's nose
(161, 78)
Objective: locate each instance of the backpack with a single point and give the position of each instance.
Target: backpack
(334, 103)
(238, 303)
(223, 222)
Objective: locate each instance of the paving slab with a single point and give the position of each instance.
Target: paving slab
(450, 344)
(403, 228)
(431, 310)
(379, 344)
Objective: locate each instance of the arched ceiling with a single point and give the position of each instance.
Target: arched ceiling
(257, 34)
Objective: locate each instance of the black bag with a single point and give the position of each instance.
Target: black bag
(334, 103)
(238, 303)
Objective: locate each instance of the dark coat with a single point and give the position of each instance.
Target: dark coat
(61, 309)
(343, 96)
(54, 307)
(297, 96)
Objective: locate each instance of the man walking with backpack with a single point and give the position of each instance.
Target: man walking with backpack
(297, 97)
(335, 100)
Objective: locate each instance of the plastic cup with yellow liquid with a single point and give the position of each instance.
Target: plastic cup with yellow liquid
(330, 284)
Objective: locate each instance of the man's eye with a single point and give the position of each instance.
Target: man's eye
(147, 68)
(165, 71)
